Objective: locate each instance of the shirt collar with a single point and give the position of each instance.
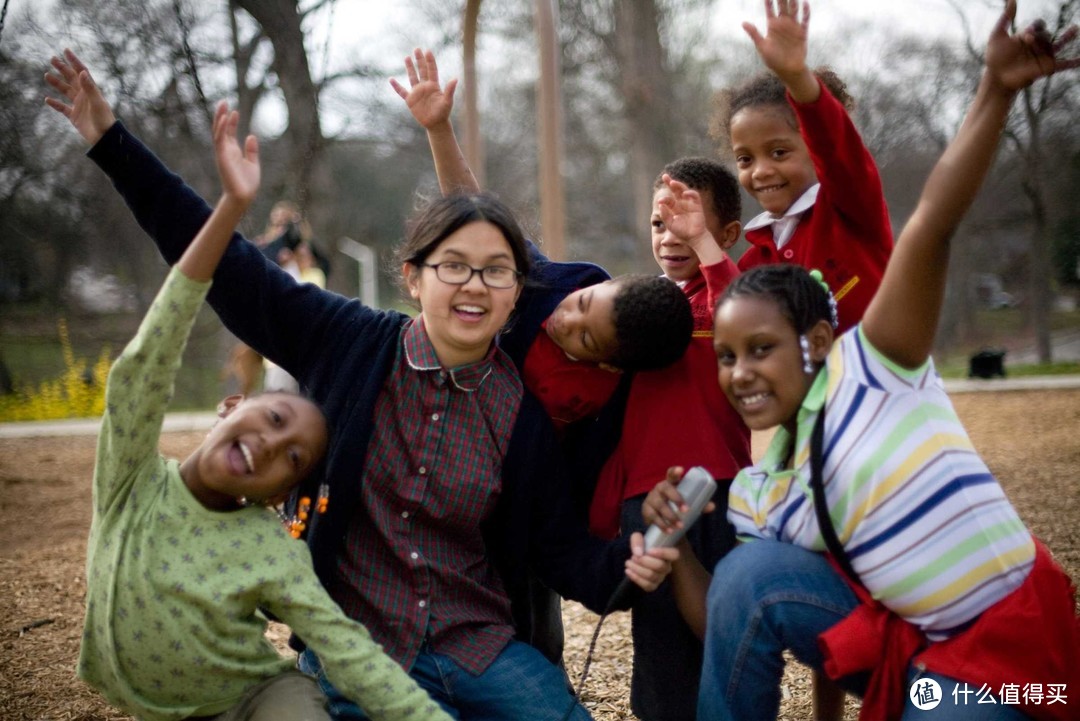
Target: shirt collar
(776, 454)
(800, 206)
(420, 356)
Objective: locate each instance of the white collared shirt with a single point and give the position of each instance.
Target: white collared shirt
(783, 226)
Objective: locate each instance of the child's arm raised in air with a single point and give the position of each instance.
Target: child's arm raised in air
(431, 104)
(249, 288)
(783, 47)
(902, 318)
(238, 168)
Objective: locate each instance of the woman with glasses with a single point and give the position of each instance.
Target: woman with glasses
(445, 484)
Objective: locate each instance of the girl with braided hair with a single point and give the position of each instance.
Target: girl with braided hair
(799, 155)
(880, 548)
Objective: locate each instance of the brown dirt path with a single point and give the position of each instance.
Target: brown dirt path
(1031, 440)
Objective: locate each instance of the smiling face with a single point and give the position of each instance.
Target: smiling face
(773, 162)
(583, 324)
(760, 362)
(259, 449)
(462, 320)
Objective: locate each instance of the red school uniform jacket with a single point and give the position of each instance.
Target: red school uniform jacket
(846, 234)
(675, 416)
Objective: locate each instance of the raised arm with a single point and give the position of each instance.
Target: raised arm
(783, 47)
(684, 216)
(902, 318)
(431, 104)
(288, 322)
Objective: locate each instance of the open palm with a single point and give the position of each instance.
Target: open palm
(783, 47)
(428, 102)
(238, 166)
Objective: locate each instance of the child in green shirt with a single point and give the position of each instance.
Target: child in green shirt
(183, 555)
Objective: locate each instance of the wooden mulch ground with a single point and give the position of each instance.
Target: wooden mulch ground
(1031, 440)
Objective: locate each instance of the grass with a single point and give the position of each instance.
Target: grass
(959, 369)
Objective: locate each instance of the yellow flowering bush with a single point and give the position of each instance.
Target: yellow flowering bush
(79, 392)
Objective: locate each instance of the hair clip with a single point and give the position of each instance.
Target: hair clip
(834, 315)
(807, 364)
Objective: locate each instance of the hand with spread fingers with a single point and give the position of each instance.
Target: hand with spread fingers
(86, 107)
(1014, 61)
(429, 102)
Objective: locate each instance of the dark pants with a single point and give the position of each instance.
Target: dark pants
(667, 654)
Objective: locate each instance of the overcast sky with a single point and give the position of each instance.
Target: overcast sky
(383, 32)
(384, 24)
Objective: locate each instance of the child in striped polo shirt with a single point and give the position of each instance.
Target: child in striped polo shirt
(939, 581)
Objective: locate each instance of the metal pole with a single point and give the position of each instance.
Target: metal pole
(368, 279)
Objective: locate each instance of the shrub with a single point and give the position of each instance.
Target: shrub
(79, 392)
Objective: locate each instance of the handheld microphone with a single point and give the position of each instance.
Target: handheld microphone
(697, 488)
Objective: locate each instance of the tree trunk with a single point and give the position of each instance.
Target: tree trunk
(474, 143)
(647, 98)
(1041, 277)
(280, 22)
(549, 132)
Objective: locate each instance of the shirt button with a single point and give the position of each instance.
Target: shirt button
(422, 604)
(434, 416)
(404, 514)
(423, 470)
(789, 253)
(414, 555)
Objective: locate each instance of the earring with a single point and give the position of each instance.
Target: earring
(807, 364)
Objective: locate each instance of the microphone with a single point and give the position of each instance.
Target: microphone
(697, 488)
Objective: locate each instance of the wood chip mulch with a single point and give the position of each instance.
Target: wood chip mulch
(1029, 439)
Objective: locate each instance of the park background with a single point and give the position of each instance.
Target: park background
(638, 79)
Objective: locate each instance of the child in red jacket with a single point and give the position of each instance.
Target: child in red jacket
(799, 155)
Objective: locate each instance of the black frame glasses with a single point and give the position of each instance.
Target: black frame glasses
(492, 275)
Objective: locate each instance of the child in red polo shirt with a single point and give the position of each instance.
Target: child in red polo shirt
(678, 412)
(799, 155)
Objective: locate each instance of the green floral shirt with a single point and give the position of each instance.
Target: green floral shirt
(173, 589)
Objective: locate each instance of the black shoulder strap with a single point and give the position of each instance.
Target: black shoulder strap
(817, 485)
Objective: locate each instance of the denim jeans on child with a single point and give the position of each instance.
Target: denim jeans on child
(768, 596)
(765, 597)
(519, 685)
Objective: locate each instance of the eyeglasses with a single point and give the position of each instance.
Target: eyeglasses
(493, 276)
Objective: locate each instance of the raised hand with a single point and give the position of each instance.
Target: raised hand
(86, 107)
(1015, 61)
(682, 211)
(428, 102)
(238, 167)
(783, 47)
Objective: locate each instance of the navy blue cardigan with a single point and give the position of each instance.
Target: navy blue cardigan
(341, 351)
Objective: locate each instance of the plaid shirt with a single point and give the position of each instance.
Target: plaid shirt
(414, 565)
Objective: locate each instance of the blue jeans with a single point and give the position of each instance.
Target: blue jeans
(765, 597)
(519, 685)
(768, 596)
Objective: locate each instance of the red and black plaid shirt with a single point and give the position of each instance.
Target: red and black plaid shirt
(414, 565)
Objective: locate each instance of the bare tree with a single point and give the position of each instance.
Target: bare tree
(1042, 108)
